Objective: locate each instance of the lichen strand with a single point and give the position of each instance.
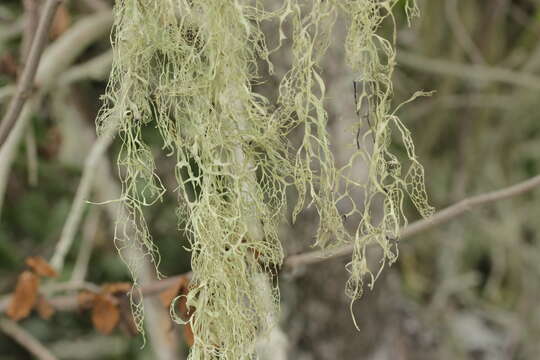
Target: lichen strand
(232, 168)
(127, 105)
(187, 68)
(381, 214)
(301, 104)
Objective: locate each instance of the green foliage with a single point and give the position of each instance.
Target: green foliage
(187, 68)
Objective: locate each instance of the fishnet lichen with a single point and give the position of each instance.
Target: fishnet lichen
(234, 188)
(187, 67)
(381, 214)
(301, 103)
(127, 106)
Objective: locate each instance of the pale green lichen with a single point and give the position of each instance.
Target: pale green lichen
(187, 67)
(381, 214)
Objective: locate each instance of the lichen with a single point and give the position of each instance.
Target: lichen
(381, 215)
(187, 68)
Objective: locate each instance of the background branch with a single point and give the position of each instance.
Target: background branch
(416, 227)
(89, 233)
(25, 339)
(26, 81)
(469, 72)
(75, 215)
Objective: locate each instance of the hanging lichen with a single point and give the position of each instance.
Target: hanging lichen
(187, 67)
(381, 214)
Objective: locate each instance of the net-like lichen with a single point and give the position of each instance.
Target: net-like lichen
(188, 67)
(381, 214)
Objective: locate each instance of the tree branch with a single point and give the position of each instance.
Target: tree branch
(440, 217)
(31, 11)
(69, 302)
(97, 5)
(469, 72)
(89, 234)
(25, 339)
(75, 215)
(26, 81)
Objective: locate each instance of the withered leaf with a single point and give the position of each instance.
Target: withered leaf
(105, 314)
(85, 299)
(44, 308)
(188, 335)
(40, 266)
(183, 309)
(167, 296)
(25, 296)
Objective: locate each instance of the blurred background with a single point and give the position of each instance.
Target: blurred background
(469, 289)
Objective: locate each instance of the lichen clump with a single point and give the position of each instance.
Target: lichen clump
(188, 69)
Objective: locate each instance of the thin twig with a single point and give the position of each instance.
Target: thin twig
(75, 215)
(469, 72)
(25, 339)
(90, 229)
(460, 31)
(52, 288)
(26, 81)
(31, 12)
(67, 303)
(440, 217)
(60, 303)
(97, 5)
(97, 68)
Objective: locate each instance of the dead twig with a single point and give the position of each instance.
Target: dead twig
(440, 217)
(75, 215)
(488, 74)
(26, 81)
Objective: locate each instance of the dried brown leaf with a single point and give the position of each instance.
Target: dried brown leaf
(40, 266)
(167, 296)
(183, 310)
(105, 314)
(25, 296)
(85, 299)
